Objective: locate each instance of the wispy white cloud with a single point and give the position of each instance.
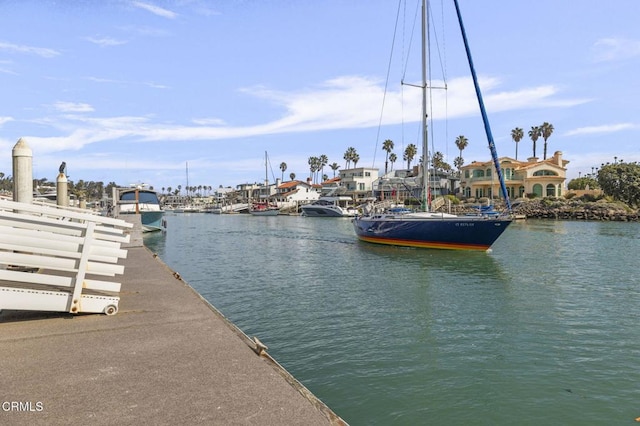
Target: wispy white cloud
(208, 121)
(156, 10)
(106, 41)
(39, 51)
(5, 120)
(596, 130)
(342, 103)
(73, 107)
(613, 49)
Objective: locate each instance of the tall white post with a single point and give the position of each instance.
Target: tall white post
(22, 172)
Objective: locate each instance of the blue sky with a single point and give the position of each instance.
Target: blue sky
(132, 91)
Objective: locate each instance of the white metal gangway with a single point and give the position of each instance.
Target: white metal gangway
(50, 258)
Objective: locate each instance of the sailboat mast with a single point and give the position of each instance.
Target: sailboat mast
(425, 144)
(485, 119)
(266, 177)
(187, 173)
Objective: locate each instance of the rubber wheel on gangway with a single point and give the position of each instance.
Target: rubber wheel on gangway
(111, 310)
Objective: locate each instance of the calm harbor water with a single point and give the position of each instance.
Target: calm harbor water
(543, 329)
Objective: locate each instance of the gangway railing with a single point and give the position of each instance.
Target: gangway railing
(56, 259)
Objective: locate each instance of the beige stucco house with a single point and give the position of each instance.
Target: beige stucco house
(546, 178)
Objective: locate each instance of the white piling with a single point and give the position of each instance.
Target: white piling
(22, 172)
(62, 197)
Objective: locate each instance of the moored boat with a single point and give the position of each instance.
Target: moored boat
(264, 209)
(336, 206)
(139, 199)
(430, 229)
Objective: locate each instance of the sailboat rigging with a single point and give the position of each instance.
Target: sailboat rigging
(264, 207)
(427, 229)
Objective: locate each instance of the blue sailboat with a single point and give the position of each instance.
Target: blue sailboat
(427, 229)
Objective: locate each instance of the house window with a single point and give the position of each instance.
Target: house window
(508, 173)
(488, 173)
(478, 173)
(537, 189)
(545, 173)
(551, 190)
(361, 186)
(466, 173)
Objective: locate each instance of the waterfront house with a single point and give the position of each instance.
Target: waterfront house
(546, 178)
(297, 192)
(358, 182)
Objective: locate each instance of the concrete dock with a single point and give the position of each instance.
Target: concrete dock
(166, 358)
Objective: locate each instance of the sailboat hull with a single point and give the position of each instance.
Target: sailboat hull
(454, 233)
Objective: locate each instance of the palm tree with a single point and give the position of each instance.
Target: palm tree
(517, 134)
(437, 160)
(393, 158)
(355, 159)
(458, 162)
(388, 147)
(283, 167)
(461, 142)
(323, 162)
(334, 167)
(410, 151)
(534, 134)
(349, 155)
(546, 130)
(292, 176)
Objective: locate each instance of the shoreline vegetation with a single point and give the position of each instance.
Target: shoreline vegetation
(578, 208)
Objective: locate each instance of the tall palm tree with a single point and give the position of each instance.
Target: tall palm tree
(292, 176)
(334, 167)
(534, 134)
(283, 167)
(388, 147)
(355, 159)
(517, 134)
(409, 153)
(392, 159)
(462, 142)
(323, 162)
(312, 161)
(546, 130)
